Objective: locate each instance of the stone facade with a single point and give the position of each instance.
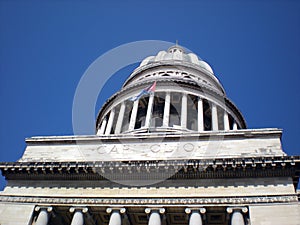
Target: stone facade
(178, 154)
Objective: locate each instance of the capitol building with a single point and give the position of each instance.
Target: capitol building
(170, 148)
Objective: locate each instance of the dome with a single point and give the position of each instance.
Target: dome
(174, 53)
(173, 91)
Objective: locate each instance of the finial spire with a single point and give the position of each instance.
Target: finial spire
(176, 43)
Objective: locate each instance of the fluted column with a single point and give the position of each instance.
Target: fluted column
(43, 216)
(167, 110)
(110, 121)
(154, 218)
(133, 115)
(120, 118)
(237, 217)
(102, 128)
(115, 217)
(149, 111)
(184, 110)
(200, 115)
(226, 121)
(214, 116)
(78, 218)
(195, 215)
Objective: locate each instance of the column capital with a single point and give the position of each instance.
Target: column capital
(160, 210)
(237, 208)
(119, 209)
(41, 207)
(82, 209)
(190, 210)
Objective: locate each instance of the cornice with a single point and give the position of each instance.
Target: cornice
(143, 202)
(285, 166)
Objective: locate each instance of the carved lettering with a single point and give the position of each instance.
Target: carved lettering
(188, 147)
(101, 149)
(155, 148)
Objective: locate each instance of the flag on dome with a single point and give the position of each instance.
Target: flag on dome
(145, 91)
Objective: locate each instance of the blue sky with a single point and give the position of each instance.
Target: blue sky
(46, 46)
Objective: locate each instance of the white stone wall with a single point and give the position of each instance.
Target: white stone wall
(276, 214)
(246, 187)
(15, 214)
(242, 143)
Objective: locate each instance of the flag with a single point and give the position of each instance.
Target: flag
(145, 91)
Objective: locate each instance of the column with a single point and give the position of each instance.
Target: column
(115, 217)
(154, 218)
(214, 116)
(237, 217)
(78, 215)
(110, 121)
(149, 111)
(234, 126)
(184, 110)
(43, 216)
(200, 115)
(167, 110)
(120, 118)
(226, 121)
(133, 115)
(195, 215)
(102, 128)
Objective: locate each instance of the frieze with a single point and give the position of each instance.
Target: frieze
(152, 201)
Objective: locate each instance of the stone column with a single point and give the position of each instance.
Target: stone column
(184, 110)
(226, 121)
(102, 128)
(214, 116)
(234, 126)
(237, 217)
(154, 218)
(149, 111)
(195, 215)
(167, 110)
(43, 217)
(115, 217)
(133, 115)
(120, 118)
(110, 121)
(200, 115)
(78, 215)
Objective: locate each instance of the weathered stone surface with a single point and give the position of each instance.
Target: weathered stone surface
(275, 214)
(15, 214)
(241, 143)
(180, 188)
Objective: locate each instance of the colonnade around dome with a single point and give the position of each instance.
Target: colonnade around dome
(163, 111)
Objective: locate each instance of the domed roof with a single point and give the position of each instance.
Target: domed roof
(173, 91)
(176, 52)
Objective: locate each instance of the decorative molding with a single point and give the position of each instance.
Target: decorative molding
(122, 210)
(82, 209)
(185, 202)
(201, 210)
(160, 210)
(240, 209)
(188, 169)
(41, 207)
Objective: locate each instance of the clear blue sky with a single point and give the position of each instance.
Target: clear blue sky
(46, 46)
